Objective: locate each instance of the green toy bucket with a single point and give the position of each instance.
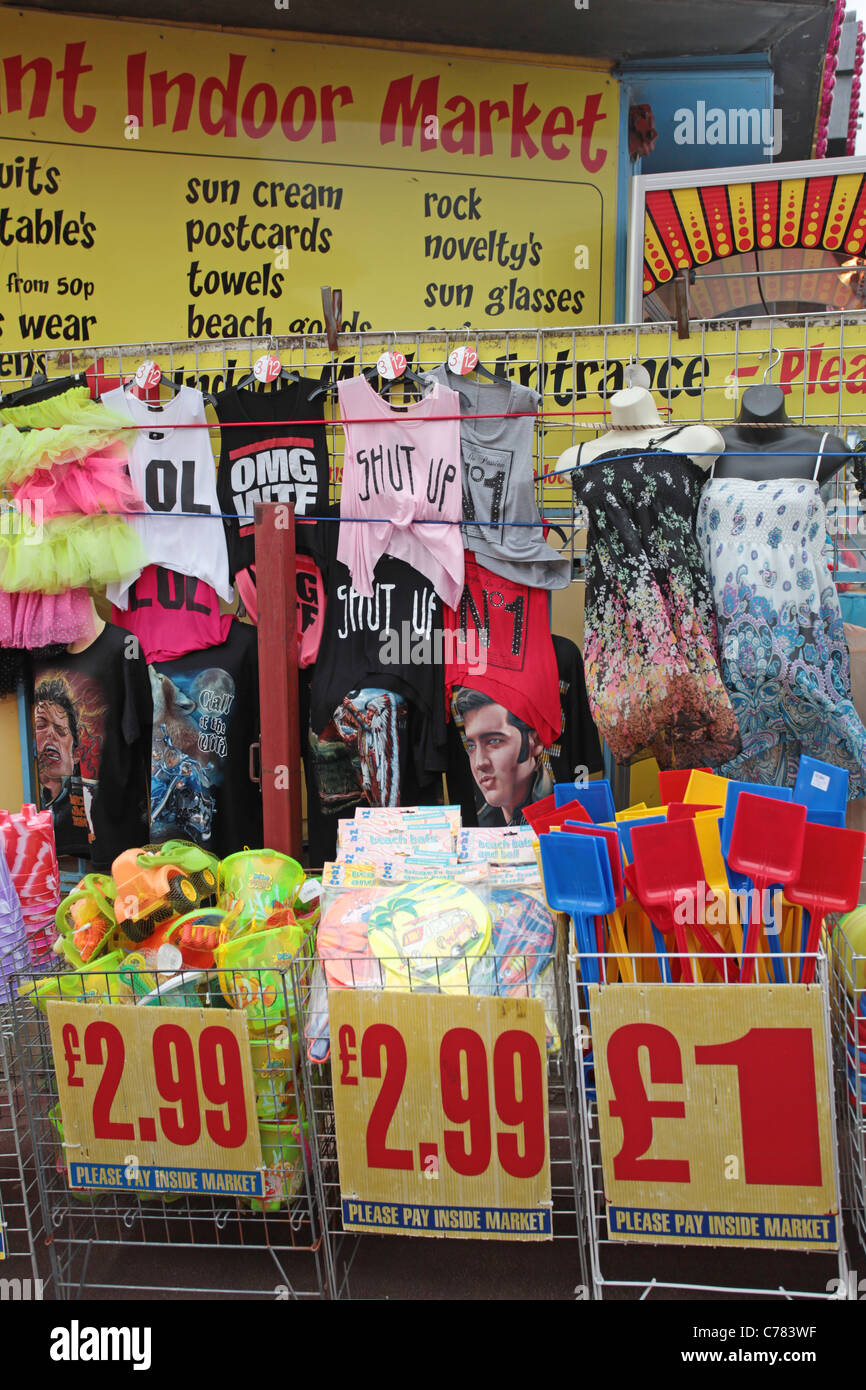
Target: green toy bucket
(260, 880)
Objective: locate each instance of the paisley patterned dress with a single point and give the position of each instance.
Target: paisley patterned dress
(650, 640)
(783, 653)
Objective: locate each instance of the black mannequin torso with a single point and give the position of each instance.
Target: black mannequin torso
(790, 452)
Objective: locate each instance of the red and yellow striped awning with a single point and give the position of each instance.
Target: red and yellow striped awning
(687, 227)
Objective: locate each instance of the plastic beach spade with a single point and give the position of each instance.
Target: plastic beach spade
(554, 816)
(594, 797)
(667, 863)
(767, 846)
(614, 853)
(823, 790)
(828, 880)
(577, 880)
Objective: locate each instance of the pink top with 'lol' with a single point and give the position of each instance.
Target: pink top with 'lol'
(401, 474)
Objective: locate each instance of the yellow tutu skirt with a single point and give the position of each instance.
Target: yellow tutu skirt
(68, 552)
(60, 429)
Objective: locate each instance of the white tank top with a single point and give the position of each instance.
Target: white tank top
(173, 471)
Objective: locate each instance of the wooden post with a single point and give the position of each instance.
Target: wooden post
(276, 600)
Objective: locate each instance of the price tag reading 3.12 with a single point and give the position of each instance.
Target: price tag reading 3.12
(156, 1100)
(441, 1114)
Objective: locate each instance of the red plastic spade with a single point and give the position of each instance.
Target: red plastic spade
(686, 810)
(554, 816)
(828, 881)
(673, 783)
(540, 808)
(667, 864)
(767, 846)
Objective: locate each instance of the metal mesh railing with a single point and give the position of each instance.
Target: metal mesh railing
(709, 1271)
(124, 1242)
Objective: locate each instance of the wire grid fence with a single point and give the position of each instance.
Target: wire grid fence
(20, 1213)
(567, 1192)
(817, 359)
(122, 1244)
(847, 971)
(637, 1271)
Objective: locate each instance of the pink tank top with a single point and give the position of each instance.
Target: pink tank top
(404, 474)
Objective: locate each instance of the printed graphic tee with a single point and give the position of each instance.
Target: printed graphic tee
(205, 716)
(266, 456)
(369, 641)
(310, 607)
(487, 774)
(92, 716)
(503, 647)
(498, 484)
(172, 613)
(401, 478)
(172, 468)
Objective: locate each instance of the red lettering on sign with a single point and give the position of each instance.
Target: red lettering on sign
(632, 1105)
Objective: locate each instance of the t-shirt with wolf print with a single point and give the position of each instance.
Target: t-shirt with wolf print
(205, 717)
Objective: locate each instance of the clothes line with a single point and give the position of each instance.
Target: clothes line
(401, 417)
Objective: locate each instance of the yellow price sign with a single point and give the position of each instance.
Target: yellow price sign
(715, 1119)
(441, 1115)
(156, 1100)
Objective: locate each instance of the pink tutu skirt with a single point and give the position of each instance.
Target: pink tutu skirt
(98, 483)
(39, 620)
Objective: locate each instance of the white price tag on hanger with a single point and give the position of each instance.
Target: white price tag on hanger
(267, 368)
(391, 365)
(463, 360)
(148, 376)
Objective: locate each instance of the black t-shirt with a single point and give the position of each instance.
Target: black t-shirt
(578, 745)
(355, 651)
(205, 716)
(265, 461)
(92, 717)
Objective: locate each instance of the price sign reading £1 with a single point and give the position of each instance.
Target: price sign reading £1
(441, 1114)
(156, 1100)
(714, 1107)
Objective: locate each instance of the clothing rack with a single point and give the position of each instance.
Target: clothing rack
(575, 372)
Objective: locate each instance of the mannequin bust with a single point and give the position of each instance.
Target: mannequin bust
(636, 407)
(789, 452)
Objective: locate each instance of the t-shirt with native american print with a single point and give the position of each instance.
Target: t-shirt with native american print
(269, 453)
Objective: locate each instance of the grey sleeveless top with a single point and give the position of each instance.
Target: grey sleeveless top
(498, 485)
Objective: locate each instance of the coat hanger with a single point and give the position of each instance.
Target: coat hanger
(327, 382)
(150, 374)
(392, 367)
(464, 360)
(267, 368)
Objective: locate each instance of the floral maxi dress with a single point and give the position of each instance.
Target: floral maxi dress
(650, 646)
(783, 652)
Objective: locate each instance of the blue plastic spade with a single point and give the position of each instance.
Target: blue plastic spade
(823, 790)
(596, 798)
(578, 880)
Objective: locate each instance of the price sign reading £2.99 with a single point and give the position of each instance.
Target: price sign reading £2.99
(714, 1108)
(156, 1100)
(441, 1114)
